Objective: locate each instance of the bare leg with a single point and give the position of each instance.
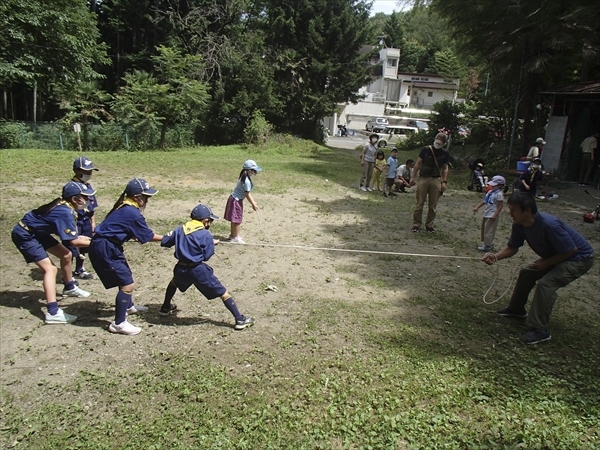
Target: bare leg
(66, 261)
(50, 271)
(235, 229)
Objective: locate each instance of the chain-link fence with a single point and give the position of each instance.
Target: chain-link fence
(56, 135)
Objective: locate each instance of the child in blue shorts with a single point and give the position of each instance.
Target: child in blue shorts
(194, 245)
(83, 168)
(124, 222)
(33, 237)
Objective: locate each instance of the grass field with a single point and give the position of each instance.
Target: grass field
(354, 351)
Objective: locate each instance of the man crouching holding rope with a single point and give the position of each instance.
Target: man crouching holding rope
(564, 256)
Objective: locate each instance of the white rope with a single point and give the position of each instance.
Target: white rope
(494, 282)
(348, 250)
(375, 252)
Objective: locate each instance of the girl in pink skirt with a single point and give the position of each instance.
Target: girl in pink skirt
(234, 211)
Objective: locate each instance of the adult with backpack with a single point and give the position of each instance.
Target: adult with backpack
(432, 167)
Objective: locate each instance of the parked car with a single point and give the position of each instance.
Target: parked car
(395, 133)
(376, 124)
(420, 124)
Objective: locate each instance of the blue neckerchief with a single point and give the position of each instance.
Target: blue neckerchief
(488, 197)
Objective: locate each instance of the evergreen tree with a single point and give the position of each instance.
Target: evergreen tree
(393, 30)
(315, 45)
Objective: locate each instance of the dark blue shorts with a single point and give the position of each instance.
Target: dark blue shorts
(200, 276)
(110, 264)
(32, 247)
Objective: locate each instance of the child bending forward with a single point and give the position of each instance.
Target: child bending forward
(194, 245)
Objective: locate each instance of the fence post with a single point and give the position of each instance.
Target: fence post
(127, 140)
(60, 140)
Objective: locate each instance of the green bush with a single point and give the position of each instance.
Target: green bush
(258, 129)
(10, 135)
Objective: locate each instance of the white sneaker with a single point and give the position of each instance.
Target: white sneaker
(369, 189)
(137, 309)
(60, 318)
(362, 188)
(237, 240)
(124, 328)
(76, 292)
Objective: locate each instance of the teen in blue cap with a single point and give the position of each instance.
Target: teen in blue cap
(194, 245)
(125, 221)
(234, 211)
(33, 237)
(83, 168)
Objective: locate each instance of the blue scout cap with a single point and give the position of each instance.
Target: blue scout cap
(73, 188)
(251, 165)
(139, 186)
(202, 212)
(83, 163)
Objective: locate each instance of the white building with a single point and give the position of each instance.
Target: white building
(394, 93)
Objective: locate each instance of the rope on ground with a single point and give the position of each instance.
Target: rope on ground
(375, 252)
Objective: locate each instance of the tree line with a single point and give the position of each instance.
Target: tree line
(215, 64)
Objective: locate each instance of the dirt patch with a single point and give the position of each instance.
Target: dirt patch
(314, 286)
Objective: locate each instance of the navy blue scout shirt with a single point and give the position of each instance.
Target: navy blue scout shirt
(193, 243)
(60, 220)
(124, 224)
(428, 166)
(549, 236)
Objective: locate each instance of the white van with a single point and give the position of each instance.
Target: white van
(395, 133)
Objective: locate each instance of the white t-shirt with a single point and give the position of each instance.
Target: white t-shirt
(588, 144)
(534, 152)
(403, 172)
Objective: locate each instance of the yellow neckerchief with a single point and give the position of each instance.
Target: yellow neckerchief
(130, 202)
(69, 204)
(533, 172)
(191, 226)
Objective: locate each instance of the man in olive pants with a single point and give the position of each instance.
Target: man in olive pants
(564, 256)
(432, 167)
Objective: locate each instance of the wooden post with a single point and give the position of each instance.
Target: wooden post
(77, 128)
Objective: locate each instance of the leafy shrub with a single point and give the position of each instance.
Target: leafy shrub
(42, 135)
(258, 129)
(10, 135)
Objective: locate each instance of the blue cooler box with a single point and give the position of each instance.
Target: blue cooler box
(522, 166)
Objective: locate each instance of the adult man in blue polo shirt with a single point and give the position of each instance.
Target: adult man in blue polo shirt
(564, 256)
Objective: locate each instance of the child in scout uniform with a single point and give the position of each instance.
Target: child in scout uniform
(194, 245)
(83, 168)
(33, 237)
(124, 222)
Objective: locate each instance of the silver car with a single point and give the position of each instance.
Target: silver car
(376, 124)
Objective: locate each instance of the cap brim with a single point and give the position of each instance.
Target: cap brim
(257, 169)
(213, 217)
(88, 192)
(149, 191)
